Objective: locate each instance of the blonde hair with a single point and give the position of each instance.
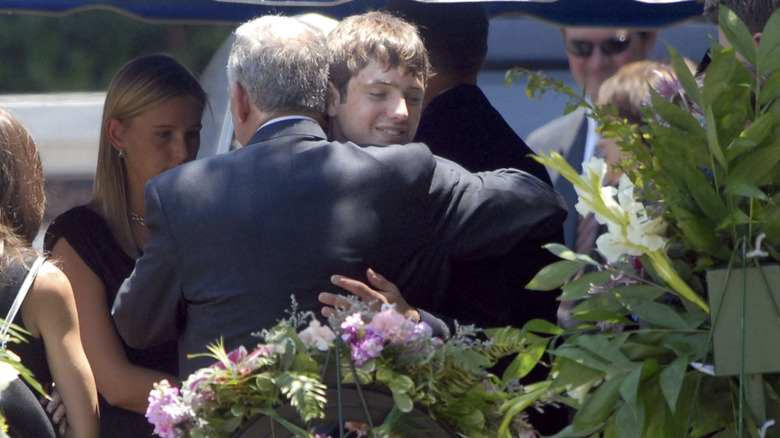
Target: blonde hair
(629, 88)
(140, 85)
(22, 198)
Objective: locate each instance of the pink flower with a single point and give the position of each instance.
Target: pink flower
(317, 334)
(391, 325)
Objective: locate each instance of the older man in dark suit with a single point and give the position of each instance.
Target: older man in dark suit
(233, 236)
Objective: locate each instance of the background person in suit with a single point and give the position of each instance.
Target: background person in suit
(233, 236)
(459, 123)
(594, 55)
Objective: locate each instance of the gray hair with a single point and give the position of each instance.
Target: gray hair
(282, 64)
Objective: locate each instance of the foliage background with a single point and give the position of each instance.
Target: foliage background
(82, 51)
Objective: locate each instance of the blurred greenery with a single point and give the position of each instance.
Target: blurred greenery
(83, 51)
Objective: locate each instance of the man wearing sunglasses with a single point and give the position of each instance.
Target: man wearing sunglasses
(594, 55)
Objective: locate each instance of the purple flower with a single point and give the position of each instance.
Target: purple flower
(166, 411)
(421, 330)
(368, 348)
(353, 328)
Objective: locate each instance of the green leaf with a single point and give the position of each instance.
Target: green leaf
(744, 188)
(698, 231)
(230, 425)
(769, 46)
(553, 276)
(542, 326)
(684, 75)
(737, 33)
(719, 74)
(756, 168)
(769, 220)
(712, 138)
(638, 291)
(403, 401)
(671, 381)
(657, 314)
(565, 253)
(734, 218)
(524, 362)
(770, 91)
(585, 358)
(676, 116)
(600, 404)
(600, 316)
(603, 348)
(708, 200)
(628, 422)
(578, 288)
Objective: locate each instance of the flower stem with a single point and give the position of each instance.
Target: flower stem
(673, 279)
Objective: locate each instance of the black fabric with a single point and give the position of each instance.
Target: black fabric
(32, 352)
(461, 125)
(89, 235)
(23, 413)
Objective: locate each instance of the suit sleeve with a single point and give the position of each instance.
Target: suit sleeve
(490, 212)
(147, 306)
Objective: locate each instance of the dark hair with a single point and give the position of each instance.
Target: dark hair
(375, 36)
(22, 197)
(754, 13)
(455, 34)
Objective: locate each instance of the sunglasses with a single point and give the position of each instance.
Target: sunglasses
(612, 46)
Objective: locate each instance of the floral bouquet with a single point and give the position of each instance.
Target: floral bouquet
(698, 191)
(300, 361)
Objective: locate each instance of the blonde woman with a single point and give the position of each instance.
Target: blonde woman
(48, 311)
(151, 123)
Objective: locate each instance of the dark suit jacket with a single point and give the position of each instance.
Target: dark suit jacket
(233, 236)
(461, 125)
(567, 136)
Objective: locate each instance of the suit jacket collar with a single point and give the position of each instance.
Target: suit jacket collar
(297, 127)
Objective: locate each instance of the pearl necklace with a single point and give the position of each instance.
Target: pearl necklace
(137, 218)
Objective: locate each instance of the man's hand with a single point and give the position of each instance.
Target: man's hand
(386, 293)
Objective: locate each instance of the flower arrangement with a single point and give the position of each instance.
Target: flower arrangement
(300, 360)
(698, 190)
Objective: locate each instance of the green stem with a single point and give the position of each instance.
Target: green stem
(673, 279)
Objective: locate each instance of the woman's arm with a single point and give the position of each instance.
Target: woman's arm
(49, 311)
(120, 382)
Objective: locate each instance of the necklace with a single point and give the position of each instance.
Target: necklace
(137, 218)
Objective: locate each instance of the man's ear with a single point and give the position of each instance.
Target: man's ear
(115, 131)
(243, 104)
(332, 100)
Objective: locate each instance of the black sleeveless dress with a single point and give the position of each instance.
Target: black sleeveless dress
(18, 402)
(88, 234)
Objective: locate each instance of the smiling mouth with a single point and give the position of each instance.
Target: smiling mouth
(391, 131)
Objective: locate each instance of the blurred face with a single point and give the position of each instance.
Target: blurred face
(382, 107)
(595, 54)
(160, 138)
